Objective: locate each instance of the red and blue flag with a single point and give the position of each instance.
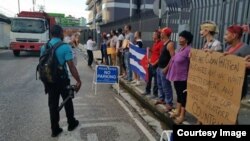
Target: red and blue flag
(139, 61)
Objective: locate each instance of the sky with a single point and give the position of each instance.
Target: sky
(75, 8)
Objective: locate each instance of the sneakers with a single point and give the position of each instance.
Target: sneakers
(56, 132)
(72, 126)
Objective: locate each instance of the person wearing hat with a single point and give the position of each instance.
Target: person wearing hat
(208, 30)
(178, 73)
(236, 47)
(164, 85)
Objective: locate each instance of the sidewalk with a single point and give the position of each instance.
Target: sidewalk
(159, 110)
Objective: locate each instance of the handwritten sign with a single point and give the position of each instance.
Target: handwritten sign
(214, 87)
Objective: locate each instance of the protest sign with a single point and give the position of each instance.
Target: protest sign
(214, 87)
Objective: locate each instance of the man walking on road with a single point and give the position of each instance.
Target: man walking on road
(64, 55)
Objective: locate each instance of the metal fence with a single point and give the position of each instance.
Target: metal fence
(146, 22)
(86, 33)
(189, 14)
(223, 12)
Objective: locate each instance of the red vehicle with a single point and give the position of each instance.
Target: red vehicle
(29, 31)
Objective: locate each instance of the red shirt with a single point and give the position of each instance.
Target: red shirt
(156, 51)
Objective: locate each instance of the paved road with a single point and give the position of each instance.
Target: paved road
(24, 114)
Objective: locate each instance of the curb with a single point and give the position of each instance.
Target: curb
(245, 104)
(158, 110)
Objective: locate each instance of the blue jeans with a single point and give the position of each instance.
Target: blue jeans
(127, 64)
(152, 74)
(164, 87)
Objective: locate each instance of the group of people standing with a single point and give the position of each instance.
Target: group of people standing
(115, 51)
(168, 63)
(177, 63)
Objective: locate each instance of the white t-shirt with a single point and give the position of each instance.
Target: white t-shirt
(90, 44)
(130, 37)
(214, 45)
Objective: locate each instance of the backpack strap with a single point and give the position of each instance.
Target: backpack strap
(56, 46)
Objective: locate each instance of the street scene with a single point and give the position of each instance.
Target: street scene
(137, 70)
(25, 115)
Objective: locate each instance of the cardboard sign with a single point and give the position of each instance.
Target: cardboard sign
(214, 87)
(125, 43)
(111, 50)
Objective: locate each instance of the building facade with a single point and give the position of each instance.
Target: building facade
(107, 11)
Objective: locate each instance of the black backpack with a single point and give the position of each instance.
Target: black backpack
(49, 69)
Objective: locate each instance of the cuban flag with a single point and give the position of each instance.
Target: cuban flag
(139, 61)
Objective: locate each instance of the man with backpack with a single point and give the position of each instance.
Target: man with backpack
(54, 75)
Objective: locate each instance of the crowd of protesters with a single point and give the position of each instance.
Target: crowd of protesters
(168, 62)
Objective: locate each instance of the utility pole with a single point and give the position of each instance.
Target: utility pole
(130, 10)
(34, 3)
(160, 16)
(44, 4)
(18, 6)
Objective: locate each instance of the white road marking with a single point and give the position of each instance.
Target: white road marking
(83, 118)
(92, 137)
(139, 124)
(123, 129)
(80, 104)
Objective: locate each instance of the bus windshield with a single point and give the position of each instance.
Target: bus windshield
(28, 26)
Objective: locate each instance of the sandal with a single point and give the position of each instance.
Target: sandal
(174, 115)
(159, 102)
(168, 108)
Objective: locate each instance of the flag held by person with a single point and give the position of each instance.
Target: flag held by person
(138, 60)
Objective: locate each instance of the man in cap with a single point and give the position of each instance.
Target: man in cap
(164, 85)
